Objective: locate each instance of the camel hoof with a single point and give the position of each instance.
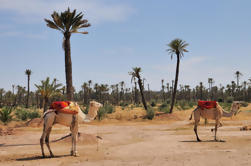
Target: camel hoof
(52, 155)
(76, 155)
(198, 140)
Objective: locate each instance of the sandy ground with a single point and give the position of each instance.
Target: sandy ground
(134, 143)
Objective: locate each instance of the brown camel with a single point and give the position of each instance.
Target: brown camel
(52, 117)
(214, 114)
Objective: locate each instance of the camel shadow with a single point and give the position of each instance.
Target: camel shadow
(222, 141)
(3, 145)
(40, 157)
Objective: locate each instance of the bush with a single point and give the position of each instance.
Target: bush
(164, 108)
(150, 113)
(123, 104)
(24, 114)
(229, 99)
(153, 104)
(101, 113)
(106, 109)
(5, 115)
(85, 110)
(244, 104)
(33, 114)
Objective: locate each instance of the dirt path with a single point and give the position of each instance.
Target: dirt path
(132, 144)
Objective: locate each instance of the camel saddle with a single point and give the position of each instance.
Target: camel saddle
(66, 107)
(207, 104)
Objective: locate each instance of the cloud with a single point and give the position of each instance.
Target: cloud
(97, 11)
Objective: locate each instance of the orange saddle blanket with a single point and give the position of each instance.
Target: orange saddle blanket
(207, 104)
(63, 107)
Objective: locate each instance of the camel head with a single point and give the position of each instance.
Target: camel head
(235, 107)
(93, 109)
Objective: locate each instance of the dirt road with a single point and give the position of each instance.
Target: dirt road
(132, 143)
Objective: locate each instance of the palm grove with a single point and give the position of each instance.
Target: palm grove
(171, 94)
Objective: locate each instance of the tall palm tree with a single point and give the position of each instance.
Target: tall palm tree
(28, 73)
(238, 74)
(68, 22)
(136, 74)
(210, 83)
(47, 90)
(176, 47)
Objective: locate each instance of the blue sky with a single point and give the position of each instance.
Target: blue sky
(126, 34)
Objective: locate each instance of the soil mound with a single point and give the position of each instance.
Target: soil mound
(4, 130)
(36, 122)
(165, 116)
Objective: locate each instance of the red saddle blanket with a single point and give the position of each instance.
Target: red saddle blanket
(61, 107)
(58, 105)
(207, 104)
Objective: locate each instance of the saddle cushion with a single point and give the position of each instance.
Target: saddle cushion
(207, 104)
(66, 107)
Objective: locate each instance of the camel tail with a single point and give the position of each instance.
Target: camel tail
(191, 117)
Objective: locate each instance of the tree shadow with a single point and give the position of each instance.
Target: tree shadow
(40, 157)
(203, 141)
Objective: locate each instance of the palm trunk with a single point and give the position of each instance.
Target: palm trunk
(142, 93)
(176, 82)
(28, 93)
(45, 101)
(68, 66)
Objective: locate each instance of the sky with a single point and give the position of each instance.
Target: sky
(127, 34)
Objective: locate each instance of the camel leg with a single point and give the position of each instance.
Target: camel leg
(42, 141)
(215, 129)
(196, 122)
(48, 142)
(74, 133)
(220, 125)
(48, 122)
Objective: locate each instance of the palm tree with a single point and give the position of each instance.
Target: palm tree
(68, 22)
(177, 47)
(28, 73)
(210, 83)
(48, 90)
(136, 74)
(238, 75)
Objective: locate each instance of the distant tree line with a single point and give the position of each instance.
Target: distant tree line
(120, 94)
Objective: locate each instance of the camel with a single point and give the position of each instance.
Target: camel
(214, 114)
(52, 117)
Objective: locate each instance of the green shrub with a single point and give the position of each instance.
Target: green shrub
(85, 110)
(5, 115)
(33, 114)
(244, 104)
(229, 99)
(164, 108)
(153, 104)
(123, 104)
(168, 101)
(24, 114)
(106, 109)
(101, 113)
(150, 113)
(21, 114)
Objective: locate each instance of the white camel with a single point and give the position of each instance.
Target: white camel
(214, 114)
(52, 117)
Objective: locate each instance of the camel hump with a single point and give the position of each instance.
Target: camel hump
(207, 104)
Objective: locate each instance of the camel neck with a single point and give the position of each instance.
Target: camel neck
(228, 114)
